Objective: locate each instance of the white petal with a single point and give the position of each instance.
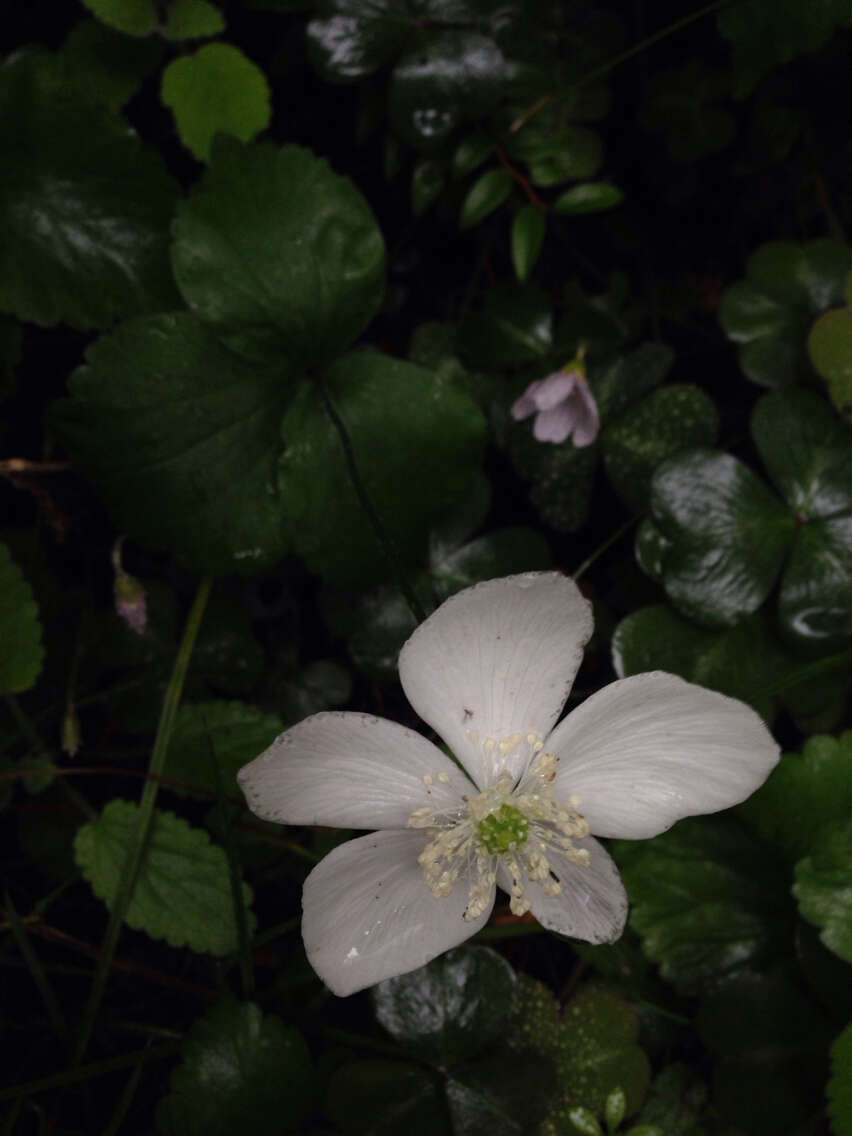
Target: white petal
(592, 904)
(555, 389)
(524, 406)
(496, 660)
(588, 418)
(369, 914)
(555, 425)
(646, 751)
(350, 771)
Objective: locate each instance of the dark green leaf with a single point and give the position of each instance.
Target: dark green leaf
(485, 195)
(471, 152)
(562, 477)
(183, 891)
(830, 350)
(764, 39)
(840, 1085)
(321, 685)
(349, 40)
(815, 605)
(217, 89)
(499, 553)
(650, 549)
(770, 1040)
(502, 1094)
(241, 1070)
(807, 451)
(428, 178)
(134, 17)
(619, 383)
(399, 417)
(182, 438)
(707, 898)
(207, 734)
(387, 1098)
(383, 621)
(680, 105)
(84, 207)
(514, 326)
(192, 19)
(573, 154)
(463, 520)
(109, 66)
(293, 285)
(22, 654)
(593, 197)
(823, 886)
(451, 1008)
(729, 535)
(527, 237)
(455, 77)
(676, 1100)
(670, 419)
(743, 662)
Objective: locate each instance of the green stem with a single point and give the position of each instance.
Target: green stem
(124, 1102)
(42, 983)
(87, 1072)
(386, 543)
(136, 850)
(793, 678)
(602, 548)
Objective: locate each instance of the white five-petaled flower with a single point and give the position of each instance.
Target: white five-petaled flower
(563, 406)
(490, 672)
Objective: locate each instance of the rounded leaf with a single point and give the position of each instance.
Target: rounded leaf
(20, 629)
(830, 349)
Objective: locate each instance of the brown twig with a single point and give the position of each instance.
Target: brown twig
(523, 182)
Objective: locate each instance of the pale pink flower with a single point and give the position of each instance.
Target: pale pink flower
(563, 406)
(490, 671)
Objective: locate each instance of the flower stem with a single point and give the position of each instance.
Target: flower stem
(386, 542)
(136, 850)
(601, 549)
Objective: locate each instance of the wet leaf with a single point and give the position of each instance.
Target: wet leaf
(823, 886)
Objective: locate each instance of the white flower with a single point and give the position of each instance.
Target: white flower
(563, 406)
(490, 671)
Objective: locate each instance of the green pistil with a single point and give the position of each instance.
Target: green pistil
(503, 830)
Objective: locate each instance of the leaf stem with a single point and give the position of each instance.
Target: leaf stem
(136, 849)
(602, 548)
(42, 982)
(386, 542)
(87, 1072)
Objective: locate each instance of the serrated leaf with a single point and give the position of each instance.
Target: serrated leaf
(592, 197)
(670, 419)
(229, 734)
(240, 1069)
(830, 350)
(707, 898)
(449, 1009)
(398, 417)
(528, 230)
(84, 207)
(182, 893)
(163, 414)
(455, 77)
(193, 19)
(218, 89)
(294, 285)
(729, 535)
(823, 886)
(20, 629)
(840, 1085)
(769, 313)
(486, 194)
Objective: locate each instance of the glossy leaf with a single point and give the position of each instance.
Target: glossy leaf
(592, 197)
(744, 661)
(515, 325)
(840, 1085)
(528, 230)
(240, 1069)
(450, 1008)
(769, 313)
(84, 207)
(729, 535)
(769, 1040)
(455, 77)
(499, 553)
(815, 787)
(20, 629)
(502, 1094)
(163, 414)
(398, 417)
(671, 419)
(619, 383)
(211, 734)
(707, 898)
(183, 891)
(382, 622)
(321, 685)
(485, 195)
(815, 605)
(348, 40)
(293, 285)
(830, 350)
(218, 89)
(823, 886)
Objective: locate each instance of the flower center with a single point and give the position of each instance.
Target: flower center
(504, 830)
(510, 827)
